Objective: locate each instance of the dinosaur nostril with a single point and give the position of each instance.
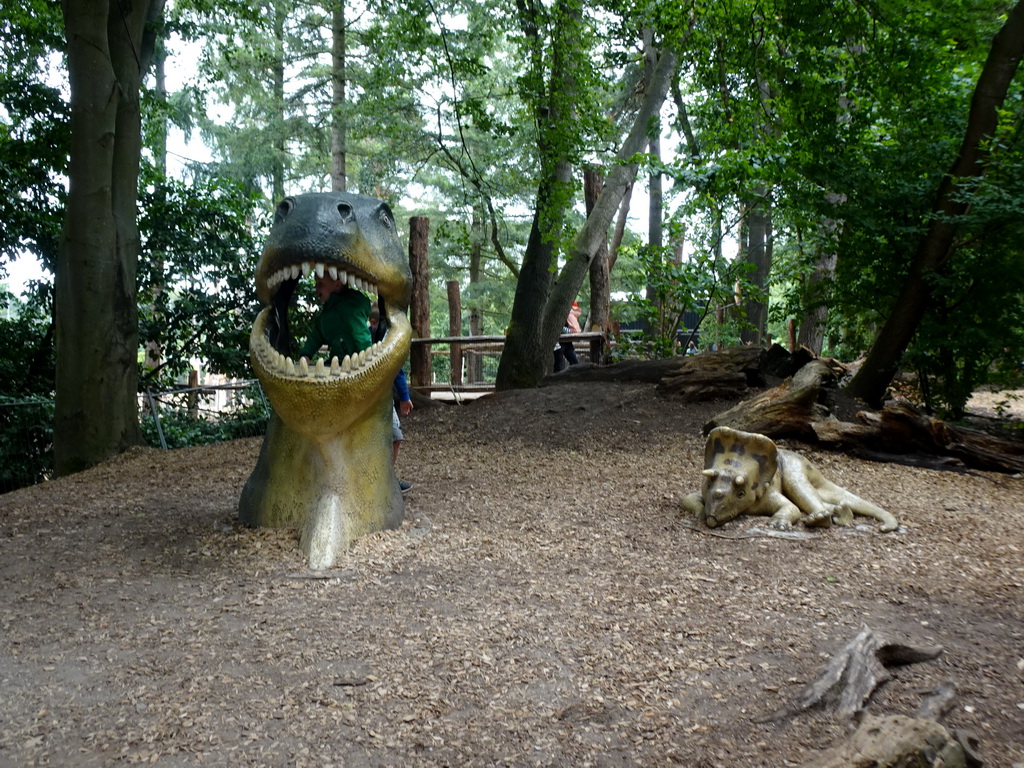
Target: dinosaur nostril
(346, 211)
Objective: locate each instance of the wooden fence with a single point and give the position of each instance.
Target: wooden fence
(460, 347)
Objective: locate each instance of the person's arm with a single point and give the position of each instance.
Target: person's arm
(402, 390)
(314, 340)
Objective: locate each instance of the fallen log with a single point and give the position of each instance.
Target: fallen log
(696, 385)
(743, 360)
(901, 425)
(788, 410)
(803, 407)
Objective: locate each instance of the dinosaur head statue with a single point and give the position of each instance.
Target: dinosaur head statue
(353, 239)
(325, 466)
(738, 471)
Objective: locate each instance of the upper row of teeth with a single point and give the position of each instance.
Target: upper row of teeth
(321, 370)
(295, 270)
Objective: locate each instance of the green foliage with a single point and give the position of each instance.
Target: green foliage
(26, 343)
(34, 134)
(184, 420)
(701, 284)
(26, 388)
(851, 118)
(975, 334)
(197, 294)
(26, 442)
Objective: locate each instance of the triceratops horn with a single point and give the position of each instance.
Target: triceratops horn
(740, 480)
(710, 473)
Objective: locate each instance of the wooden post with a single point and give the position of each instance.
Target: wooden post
(792, 334)
(192, 398)
(455, 329)
(419, 311)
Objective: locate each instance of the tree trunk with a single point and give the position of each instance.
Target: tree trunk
(419, 310)
(540, 307)
(600, 273)
(759, 254)
(455, 329)
(655, 203)
(474, 363)
(938, 244)
(812, 325)
(109, 48)
(527, 356)
(339, 172)
(277, 182)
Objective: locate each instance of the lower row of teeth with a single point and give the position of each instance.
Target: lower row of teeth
(295, 270)
(322, 370)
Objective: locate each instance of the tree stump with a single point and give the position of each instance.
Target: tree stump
(857, 670)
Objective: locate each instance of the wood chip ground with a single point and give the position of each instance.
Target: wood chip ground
(545, 604)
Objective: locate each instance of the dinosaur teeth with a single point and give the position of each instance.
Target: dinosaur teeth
(319, 370)
(335, 367)
(346, 364)
(295, 271)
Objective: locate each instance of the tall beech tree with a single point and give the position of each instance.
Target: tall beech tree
(938, 245)
(110, 45)
(558, 67)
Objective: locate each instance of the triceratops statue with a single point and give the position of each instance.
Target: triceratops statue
(747, 474)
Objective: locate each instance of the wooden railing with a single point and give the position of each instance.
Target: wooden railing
(421, 377)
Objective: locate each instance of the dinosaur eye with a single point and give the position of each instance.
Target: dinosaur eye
(283, 210)
(740, 494)
(385, 218)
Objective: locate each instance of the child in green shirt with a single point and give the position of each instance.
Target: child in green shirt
(342, 323)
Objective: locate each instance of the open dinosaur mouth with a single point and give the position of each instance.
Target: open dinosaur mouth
(270, 342)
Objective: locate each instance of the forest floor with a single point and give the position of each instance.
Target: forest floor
(546, 603)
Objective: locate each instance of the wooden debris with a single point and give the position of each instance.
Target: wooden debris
(788, 410)
(696, 385)
(721, 366)
(858, 670)
(803, 408)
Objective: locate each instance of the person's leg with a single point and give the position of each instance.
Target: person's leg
(396, 442)
(570, 353)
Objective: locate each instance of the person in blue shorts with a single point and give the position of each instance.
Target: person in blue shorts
(403, 402)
